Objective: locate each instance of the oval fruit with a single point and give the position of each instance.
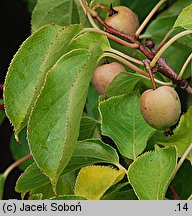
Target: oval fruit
(104, 75)
(161, 108)
(125, 20)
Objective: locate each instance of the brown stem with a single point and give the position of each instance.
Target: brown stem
(128, 37)
(147, 65)
(162, 65)
(101, 6)
(174, 193)
(1, 86)
(164, 40)
(15, 164)
(2, 107)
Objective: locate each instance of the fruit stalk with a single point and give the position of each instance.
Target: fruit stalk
(147, 65)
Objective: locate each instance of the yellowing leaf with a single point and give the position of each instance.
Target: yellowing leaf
(93, 181)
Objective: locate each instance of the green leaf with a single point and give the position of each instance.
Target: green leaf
(190, 198)
(140, 7)
(105, 2)
(30, 4)
(121, 195)
(92, 102)
(2, 183)
(54, 123)
(124, 83)
(123, 122)
(22, 76)
(66, 183)
(103, 13)
(88, 40)
(65, 186)
(182, 183)
(150, 174)
(56, 50)
(181, 53)
(87, 127)
(82, 17)
(165, 21)
(67, 197)
(31, 179)
(61, 12)
(86, 153)
(160, 27)
(120, 192)
(2, 114)
(21, 149)
(182, 137)
(59, 43)
(89, 152)
(37, 196)
(45, 190)
(184, 19)
(93, 181)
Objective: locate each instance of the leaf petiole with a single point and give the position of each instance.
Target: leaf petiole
(167, 45)
(134, 67)
(184, 67)
(148, 18)
(182, 160)
(15, 164)
(110, 36)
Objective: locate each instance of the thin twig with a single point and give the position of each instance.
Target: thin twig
(163, 67)
(148, 18)
(184, 67)
(17, 163)
(175, 195)
(182, 160)
(164, 40)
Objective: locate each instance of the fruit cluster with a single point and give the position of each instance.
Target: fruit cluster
(161, 107)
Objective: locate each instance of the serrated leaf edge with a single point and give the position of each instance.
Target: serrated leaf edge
(53, 179)
(150, 153)
(25, 191)
(114, 180)
(8, 74)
